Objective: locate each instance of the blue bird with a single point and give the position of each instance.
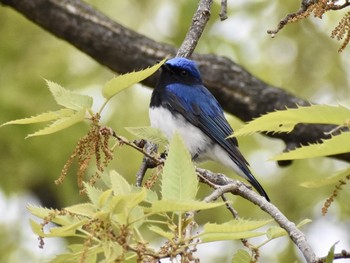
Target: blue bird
(180, 102)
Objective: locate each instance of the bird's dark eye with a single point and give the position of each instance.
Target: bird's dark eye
(184, 73)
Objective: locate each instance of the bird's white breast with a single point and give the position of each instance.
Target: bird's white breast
(195, 140)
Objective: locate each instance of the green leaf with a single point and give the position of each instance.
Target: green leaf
(179, 178)
(285, 121)
(77, 253)
(119, 83)
(218, 236)
(86, 209)
(148, 133)
(43, 117)
(42, 212)
(62, 231)
(112, 251)
(241, 256)
(161, 232)
(105, 198)
(39, 211)
(93, 193)
(330, 255)
(335, 145)
(136, 217)
(119, 185)
(275, 232)
(69, 99)
(36, 228)
(61, 124)
(66, 231)
(239, 225)
(180, 206)
(330, 180)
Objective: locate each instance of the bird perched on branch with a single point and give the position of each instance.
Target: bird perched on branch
(180, 102)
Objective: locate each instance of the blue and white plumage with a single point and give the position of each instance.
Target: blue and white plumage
(180, 102)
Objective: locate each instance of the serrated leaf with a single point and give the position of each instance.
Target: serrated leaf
(148, 133)
(61, 124)
(112, 251)
(335, 145)
(119, 185)
(119, 83)
(330, 180)
(39, 211)
(86, 209)
(127, 201)
(75, 256)
(93, 193)
(179, 178)
(42, 212)
(62, 231)
(66, 231)
(105, 198)
(330, 255)
(180, 206)
(136, 217)
(161, 232)
(151, 196)
(285, 121)
(241, 256)
(240, 225)
(36, 228)
(69, 99)
(43, 117)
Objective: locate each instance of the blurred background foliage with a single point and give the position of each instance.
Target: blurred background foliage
(301, 59)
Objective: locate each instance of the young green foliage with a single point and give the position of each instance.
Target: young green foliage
(241, 256)
(76, 105)
(120, 83)
(330, 255)
(234, 229)
(285, 120)
(179, 178)
(334, 145)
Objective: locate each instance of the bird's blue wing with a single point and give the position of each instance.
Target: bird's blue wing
(198, 106)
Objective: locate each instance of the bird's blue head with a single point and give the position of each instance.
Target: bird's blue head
(182, 70)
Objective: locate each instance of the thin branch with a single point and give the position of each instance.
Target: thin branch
(343, 254)
(199, 20)
(147, 162)
(305, 4)
(228, 185)
(306, 7)
(223, 10)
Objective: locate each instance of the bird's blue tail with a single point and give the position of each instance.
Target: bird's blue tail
(257, 186)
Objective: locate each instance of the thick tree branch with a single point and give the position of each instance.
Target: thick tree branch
(124, 50)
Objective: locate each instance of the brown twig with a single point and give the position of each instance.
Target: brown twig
(223, 10)
(343, 254)
(199, 20)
